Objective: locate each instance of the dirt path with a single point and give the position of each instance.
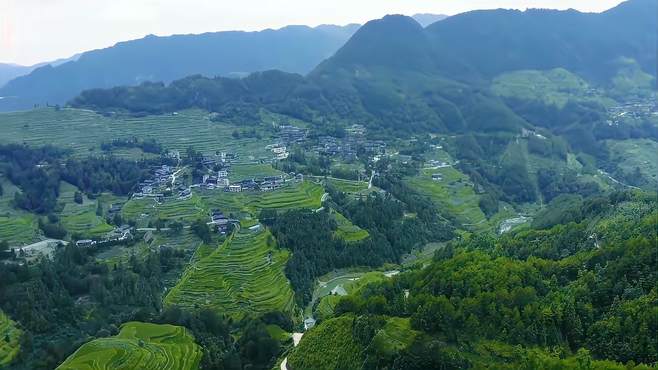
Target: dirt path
(296, 337)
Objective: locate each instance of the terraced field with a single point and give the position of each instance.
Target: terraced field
(297, 195)
(347, 230)
(138, 346)
(9, 340)
(16, 227)
(636, 153)
(81, 218)
(395, 336)
(250, 171)
(348, 186)
(243, 276)
(453, 194)
(553, 87)
(84, 131)
(300, 195)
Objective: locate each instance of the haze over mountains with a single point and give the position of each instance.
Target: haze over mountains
(296, 49)
(293, 49)
(396, 74)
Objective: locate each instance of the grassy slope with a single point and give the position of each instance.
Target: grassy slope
(243, 276)
(8, 348)
(347, 230)
(139, 346)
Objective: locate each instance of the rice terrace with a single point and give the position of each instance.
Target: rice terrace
(385, 185)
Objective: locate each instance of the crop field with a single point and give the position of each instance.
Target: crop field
(348, 186)
(84, 131)
(453, 194)
(300, 195)
(9, 340)
(81, 218)
(250, 171)
(243, 276)
(138, 346)
(16, 226)
(347, 230)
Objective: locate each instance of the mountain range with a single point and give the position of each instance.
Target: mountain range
(397, 75)
(235, 53)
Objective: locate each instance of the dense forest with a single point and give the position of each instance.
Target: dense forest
(584, 287)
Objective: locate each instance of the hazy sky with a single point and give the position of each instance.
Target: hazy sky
(33, 31)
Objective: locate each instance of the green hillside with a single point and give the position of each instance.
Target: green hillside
(138, 346)
(10, 337)
(241, 277)
(328, 346)
(553, 87)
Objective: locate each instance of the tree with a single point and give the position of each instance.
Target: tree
(202, 230)
(77, 197)
(175, 227)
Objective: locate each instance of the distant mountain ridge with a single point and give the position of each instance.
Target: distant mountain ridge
(482, 44)
(293, 49)
(394, 74)
(425, 19)
(9, 71)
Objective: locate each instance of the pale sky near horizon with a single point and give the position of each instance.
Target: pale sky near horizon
(33, 31)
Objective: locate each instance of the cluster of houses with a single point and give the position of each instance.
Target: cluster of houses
(120, 234)
(279, 151)
(638, 109)
(163, 176)
(267, 183)
(348, 146)
(289, 134)
(218, 219)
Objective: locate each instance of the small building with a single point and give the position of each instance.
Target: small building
(84, 243)
(236, 188)
(309, 323)
(437, 177)
(148, 237)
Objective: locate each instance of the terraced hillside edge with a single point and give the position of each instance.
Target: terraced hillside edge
(243, 276)
(138, 346)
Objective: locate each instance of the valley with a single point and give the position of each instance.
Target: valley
(410, 202)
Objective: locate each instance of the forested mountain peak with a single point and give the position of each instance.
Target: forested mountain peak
(395, 41)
